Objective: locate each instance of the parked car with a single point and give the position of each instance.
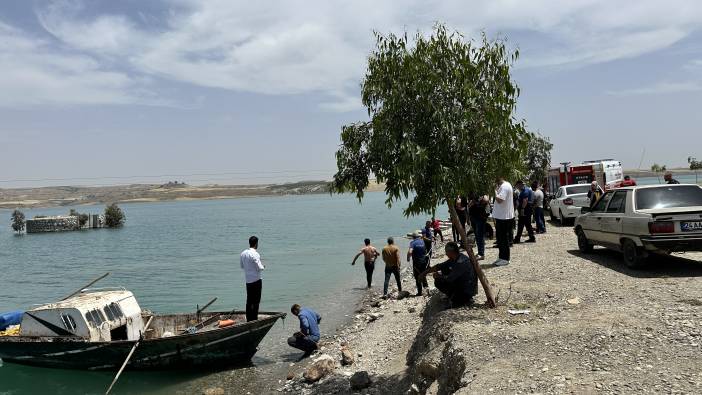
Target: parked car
(644, 220)
(567, 202)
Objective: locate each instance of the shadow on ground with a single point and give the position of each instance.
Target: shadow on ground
(655, 266)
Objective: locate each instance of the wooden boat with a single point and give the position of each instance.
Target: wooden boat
(96, 329)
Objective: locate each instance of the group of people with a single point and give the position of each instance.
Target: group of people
(307, 338)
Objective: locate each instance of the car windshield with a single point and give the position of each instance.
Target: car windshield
(668, 197)
(572, 190)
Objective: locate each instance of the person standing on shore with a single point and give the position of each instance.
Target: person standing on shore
(539, 208)
(526, 209)
(668, 177)
(503, 213)
(428, 236)
(308, 336)
(460, 207)
(436, 224)
(250, 261)
(418, 253)
(391, 257)
(594, 194)
(478, 213)
(370, 254)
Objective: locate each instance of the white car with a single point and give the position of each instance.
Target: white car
(566, 204)
(644, 220)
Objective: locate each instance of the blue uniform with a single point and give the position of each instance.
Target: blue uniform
(419, 249)
(309, 323)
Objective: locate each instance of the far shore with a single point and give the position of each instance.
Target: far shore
(61, 196)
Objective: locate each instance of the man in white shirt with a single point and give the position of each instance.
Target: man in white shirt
(251, 263)
(503, 214)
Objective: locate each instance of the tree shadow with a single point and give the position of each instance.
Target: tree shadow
(655, 266)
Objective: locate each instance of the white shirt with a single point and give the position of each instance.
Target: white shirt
(504, 209)
(251, 263)
(539, 198)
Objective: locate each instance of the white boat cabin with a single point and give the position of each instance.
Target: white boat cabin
(98, 315)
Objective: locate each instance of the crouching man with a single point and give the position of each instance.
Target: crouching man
(308, 336)
(456, 277)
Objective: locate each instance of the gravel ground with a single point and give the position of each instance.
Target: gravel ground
(593, 326)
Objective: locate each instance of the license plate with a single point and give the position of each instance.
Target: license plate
(691, 226)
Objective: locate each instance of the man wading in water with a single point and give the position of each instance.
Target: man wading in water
(370, 254)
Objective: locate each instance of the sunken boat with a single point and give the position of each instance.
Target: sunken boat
(96, 329)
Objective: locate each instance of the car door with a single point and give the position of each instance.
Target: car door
(613, 218)
(593, 221)
(556, 202)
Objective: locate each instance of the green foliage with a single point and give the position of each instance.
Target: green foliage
(538, 158)
(694, 163)
(441, 120)
(656, 168)
(82, 218)
(114, 217)
(18, 221)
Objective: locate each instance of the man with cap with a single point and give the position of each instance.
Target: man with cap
(418, 253)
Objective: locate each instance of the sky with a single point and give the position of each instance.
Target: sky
(225, 91)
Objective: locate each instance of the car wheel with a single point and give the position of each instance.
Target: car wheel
(561, 218)
(632, 254)
(583, 243)
(553, 216)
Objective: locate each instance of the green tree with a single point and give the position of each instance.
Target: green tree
(694, 163)
(441, 124)
(114, 216)
(18, 221)
(538, 158)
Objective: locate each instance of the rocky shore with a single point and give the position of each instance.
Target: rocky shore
(566, 322)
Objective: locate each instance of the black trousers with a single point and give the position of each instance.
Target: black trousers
(419, 266)
(525, 221)
(253, 299)
(302, 343)
(458, 297)
(503, 231)
(370, 266)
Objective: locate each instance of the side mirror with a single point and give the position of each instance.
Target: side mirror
(584, 210)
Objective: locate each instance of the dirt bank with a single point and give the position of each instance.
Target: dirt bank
(593, 327)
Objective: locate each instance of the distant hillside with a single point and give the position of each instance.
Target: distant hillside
(75, 195)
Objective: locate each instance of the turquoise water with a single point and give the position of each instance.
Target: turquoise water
(174, 255)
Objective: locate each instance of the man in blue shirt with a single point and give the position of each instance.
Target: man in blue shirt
(526, 209)
(308, 336)
(420, 260)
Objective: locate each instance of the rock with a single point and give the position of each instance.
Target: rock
(375, 304)
(575, 300)
(402, 295)
(346, 357)
(360, 380)
(214, 391)
(428, 369)
(414, 390)
(321, 367)
(412, 310)
(290, 376)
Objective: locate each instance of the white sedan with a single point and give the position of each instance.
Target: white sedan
(567, 203)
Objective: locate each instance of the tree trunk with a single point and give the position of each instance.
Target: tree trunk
(469, 249)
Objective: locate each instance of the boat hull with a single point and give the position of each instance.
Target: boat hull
(235, 345)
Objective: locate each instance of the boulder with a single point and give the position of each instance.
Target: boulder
(402, 295)
(347, 357)
(428, 369)
(360, 380)
(321, 367)
(214, 391)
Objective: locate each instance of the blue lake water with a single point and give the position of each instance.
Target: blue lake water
(174, 255)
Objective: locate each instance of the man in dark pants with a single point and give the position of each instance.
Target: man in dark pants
(457, 280)
(370, 254)
(250, 261)
(391, 257)
(478, 213)
(308, 336)
(420, 260)
(503, 214)
(526, 210)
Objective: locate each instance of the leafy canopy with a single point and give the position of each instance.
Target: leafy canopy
(538, 158)
(114, 216)
(441, 120)
(18, 221)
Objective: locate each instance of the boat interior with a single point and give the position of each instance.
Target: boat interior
(177, 324)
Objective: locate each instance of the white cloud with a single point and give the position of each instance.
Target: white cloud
(321, 46)
(660, 88)
(33, 72)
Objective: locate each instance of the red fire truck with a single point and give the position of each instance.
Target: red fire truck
(607, 172)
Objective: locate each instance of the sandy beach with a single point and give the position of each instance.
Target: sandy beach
(593, 326)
